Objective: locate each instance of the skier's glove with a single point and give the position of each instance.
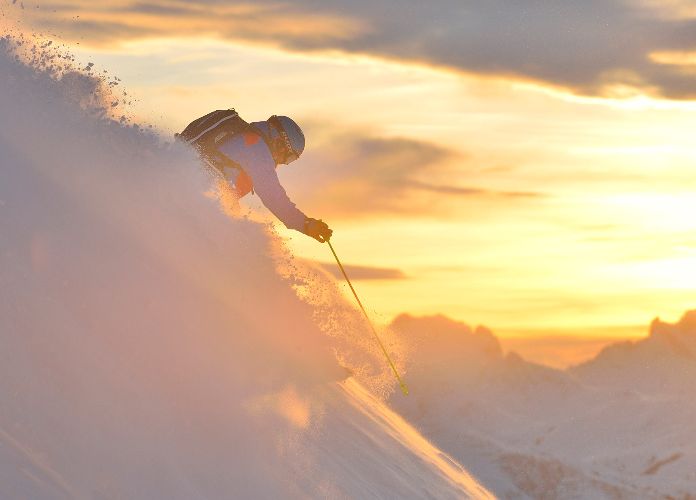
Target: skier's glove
(317, 229)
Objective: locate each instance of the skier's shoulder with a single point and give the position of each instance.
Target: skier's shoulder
(249, 149)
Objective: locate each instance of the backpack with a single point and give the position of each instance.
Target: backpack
(207, 132)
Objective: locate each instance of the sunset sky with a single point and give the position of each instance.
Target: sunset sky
(524, 166)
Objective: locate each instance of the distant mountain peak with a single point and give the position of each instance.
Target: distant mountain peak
(451, 337)
(663, 362)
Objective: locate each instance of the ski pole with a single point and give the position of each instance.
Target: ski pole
(404, 389)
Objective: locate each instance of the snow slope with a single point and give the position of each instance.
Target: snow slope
(151, 346)
(619, 426)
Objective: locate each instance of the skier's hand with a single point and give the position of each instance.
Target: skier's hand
(317, 229)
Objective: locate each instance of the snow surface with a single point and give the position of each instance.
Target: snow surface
(621, 426)
(152, 346)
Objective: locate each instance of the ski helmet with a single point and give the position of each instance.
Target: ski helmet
(289, 141)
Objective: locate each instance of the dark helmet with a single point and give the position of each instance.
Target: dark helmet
(287, 138)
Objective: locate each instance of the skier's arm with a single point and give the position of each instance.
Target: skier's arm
(273, 195)
(254, 157)
(271, 192)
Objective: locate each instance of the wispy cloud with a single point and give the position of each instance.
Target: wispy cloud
(591, 47)
(360, 175)
(469, 191)
(364, 272)
(268, 22)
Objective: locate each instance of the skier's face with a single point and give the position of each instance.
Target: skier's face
(283, 156)
(283, 152)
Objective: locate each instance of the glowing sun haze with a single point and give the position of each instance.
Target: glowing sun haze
(532, 173)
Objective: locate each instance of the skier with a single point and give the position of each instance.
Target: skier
(247, 155)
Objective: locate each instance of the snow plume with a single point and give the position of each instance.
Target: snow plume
(150, 348)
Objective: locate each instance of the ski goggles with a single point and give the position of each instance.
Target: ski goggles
(282, 143)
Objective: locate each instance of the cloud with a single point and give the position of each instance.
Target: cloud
(101, 32)
(267, 22)
(468, 191)
(596, 47)
(360, 175)
(364, 272)
(157, 9)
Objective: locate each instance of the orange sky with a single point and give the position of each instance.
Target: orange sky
(519, 196)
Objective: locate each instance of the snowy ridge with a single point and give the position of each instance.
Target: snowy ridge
(664, 363)
(620, 426)
(151, 345)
